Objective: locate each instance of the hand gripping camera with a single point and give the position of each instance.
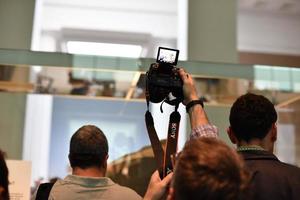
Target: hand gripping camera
(163, 84)
(163, 81)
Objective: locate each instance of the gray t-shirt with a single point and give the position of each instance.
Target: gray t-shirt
(78, 187)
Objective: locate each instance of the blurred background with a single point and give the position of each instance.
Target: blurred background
(66, 63)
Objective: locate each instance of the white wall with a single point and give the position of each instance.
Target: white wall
(36, 142)
(157, 18)
(268, 32)
(284, 146)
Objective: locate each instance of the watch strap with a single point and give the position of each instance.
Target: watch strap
(192, 103)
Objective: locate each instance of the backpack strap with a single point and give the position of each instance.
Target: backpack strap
(44, 191)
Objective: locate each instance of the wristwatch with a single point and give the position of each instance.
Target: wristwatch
(192, 103)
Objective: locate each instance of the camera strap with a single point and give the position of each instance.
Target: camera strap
(163, 156)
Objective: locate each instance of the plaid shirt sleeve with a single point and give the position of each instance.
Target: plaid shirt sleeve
(206, 130)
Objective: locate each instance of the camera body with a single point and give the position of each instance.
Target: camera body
(163, 80)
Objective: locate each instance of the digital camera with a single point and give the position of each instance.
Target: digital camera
(163, 80)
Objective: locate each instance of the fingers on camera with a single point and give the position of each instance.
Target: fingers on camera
(182, 73)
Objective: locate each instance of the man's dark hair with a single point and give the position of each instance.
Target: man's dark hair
(88, 147)
(4, 194)
(252, 116)
(208, 169)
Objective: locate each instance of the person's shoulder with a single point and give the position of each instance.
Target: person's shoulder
(291, 169)
(291, 174)
(59, 183)
(126, 192)
(62, 187)
(268, 163)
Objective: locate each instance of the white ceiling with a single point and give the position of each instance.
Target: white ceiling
(286, 6)
(291, 7)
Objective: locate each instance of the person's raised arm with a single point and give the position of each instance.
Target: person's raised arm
(198, 119)
(196, 112)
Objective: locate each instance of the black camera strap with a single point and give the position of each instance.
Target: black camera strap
(155, 143)
(172, 140)
(163, 156)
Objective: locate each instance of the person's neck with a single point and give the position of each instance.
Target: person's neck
(89, 172)
(256, 143)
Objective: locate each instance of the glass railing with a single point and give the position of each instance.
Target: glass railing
(96, 76)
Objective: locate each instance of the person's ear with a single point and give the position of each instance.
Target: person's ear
(231, 135)
(105, 161)
(171, 194)
(274, 132)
